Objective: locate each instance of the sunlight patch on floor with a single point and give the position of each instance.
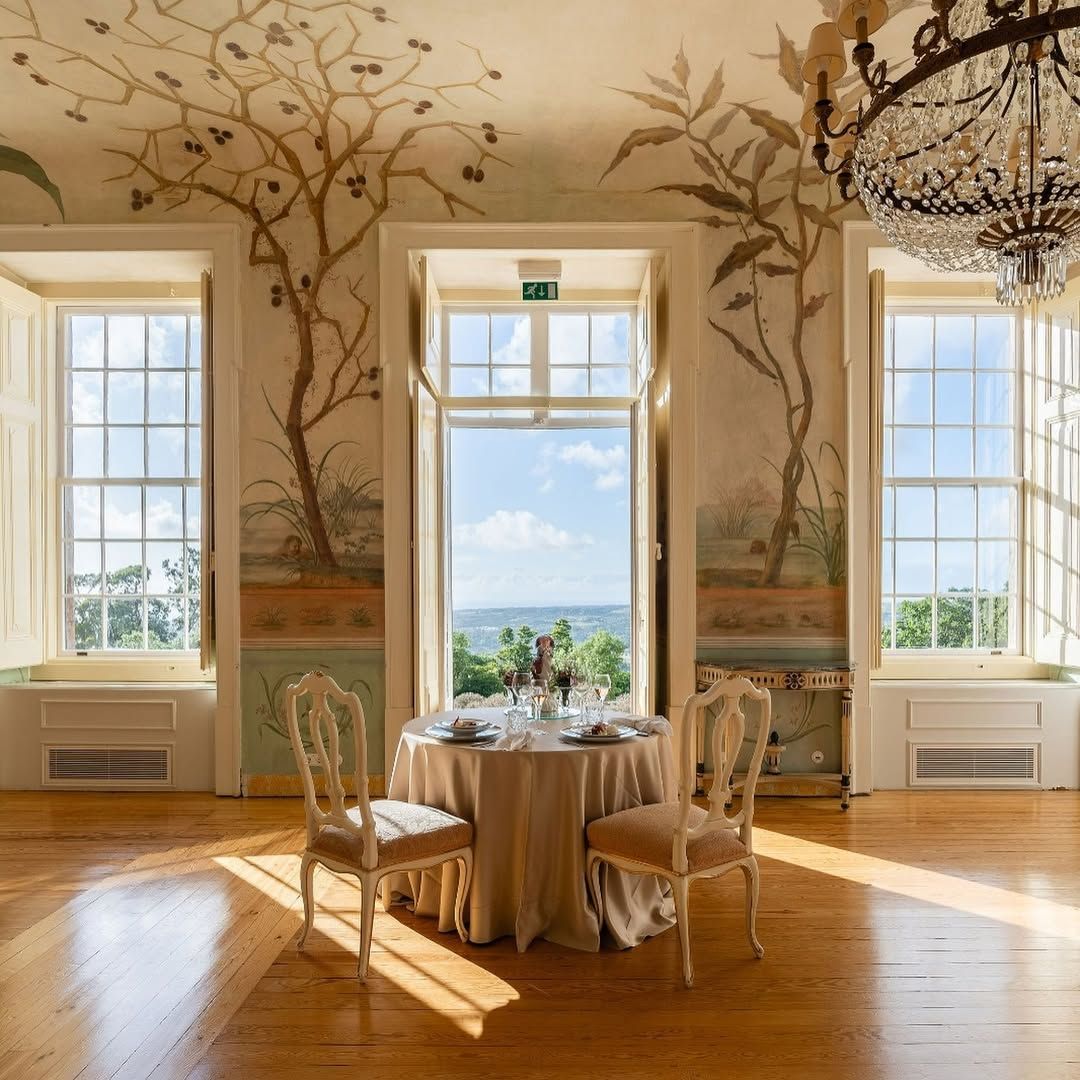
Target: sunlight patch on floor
(971, 897)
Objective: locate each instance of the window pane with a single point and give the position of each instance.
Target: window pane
(955, 342)
(886, 624)
(195, 397)
(912, 401)
(915, 511)
(194, 626)
(568, 339)
(82, 620)
(87, 341)
(887, 398)
(952, 397)
(123, 512)
(126, 452)
(195, 348)
(87, 452)
(993, 452)
(995, 566)
(570, 381)
(123, 568)
(82, 511)
(167, 340)
(86, 397)
(888, 498)
(194, 512)
(913, 341)
(993, 399)
(164, 512)
(956, 511)
(952, 452)
(165, 623)
(126, 402)
(994, 628)
(510, 380)
(993, 342)
(166, 393)
(914, 566)
(914, 623)
(127, 341)
(510, 335)
(610, 382)
(887, 567)
(126, 624)
(996, 511)
(956, 622)
(165, 455)
(194, 453)
(912, 451)
(82, 568)
(468, 339)
(164, 568)
(469, 382)
(956, 566)
(610, 339)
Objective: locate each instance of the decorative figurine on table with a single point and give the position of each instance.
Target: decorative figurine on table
(773, 752)
(542, 669)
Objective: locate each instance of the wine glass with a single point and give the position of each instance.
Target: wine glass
(579, 689)
(602, 684)
(538, 689)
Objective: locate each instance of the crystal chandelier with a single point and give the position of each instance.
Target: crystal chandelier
(970, 158)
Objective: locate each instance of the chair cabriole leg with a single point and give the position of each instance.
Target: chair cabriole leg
(465, 864)
(750, 872)
(680, 887)
(307, 873)
(369, 888)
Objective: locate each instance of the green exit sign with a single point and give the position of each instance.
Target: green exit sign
(539, 290)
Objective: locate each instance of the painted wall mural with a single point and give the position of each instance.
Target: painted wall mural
(310, 121)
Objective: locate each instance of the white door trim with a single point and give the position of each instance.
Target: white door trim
(399, 243)
(223, 243)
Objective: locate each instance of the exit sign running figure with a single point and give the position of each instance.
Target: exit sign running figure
(539, 290)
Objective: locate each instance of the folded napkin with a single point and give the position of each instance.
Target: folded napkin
(518, 740)
(654, 725)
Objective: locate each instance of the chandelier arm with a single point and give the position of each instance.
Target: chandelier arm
(1064, 85)
(999, 36)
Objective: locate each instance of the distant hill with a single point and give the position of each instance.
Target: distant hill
(482, 625)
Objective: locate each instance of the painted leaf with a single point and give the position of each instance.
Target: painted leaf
(766, 210)
(790, 63)
(831, 8)
(22, 164)
(776, 127)
(720, 125)
(666, 86)
(771, 269)
(808, 174)
(741, 255)
(737, 156)
(819, 217)
(641, 137)
(738, 301)
(681, 68)
(712, 93)
(716, 222)
(764, 156)
(814, 305)
(744, 351)
(703, 163)
(711, 195)
(654, 101)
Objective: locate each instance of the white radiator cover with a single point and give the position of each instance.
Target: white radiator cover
(977, 765)
(119, 768)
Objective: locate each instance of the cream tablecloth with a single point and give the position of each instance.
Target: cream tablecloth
(529, 809)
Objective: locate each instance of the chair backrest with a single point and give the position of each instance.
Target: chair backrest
(728, 732)
(325, 744)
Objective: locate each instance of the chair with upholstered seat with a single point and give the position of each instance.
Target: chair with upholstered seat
(370, 839)
(682, 842)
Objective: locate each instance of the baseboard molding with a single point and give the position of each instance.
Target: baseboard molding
(287, 784)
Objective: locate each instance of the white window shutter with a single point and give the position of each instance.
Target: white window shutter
(1055, 501)
(22, 518)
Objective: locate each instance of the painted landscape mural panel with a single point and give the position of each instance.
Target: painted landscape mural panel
(310, 121)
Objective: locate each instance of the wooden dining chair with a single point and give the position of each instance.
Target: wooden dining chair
(370, 839)
(682, 842)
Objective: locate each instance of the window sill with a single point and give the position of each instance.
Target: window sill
(86, 670)
(988, 669)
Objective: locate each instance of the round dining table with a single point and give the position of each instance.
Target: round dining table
(529, 808)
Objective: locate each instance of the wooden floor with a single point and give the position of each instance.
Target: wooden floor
(928, 936)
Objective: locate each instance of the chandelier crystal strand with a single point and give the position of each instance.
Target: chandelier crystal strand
(968, 159)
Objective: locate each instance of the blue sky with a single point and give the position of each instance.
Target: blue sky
(540, 516)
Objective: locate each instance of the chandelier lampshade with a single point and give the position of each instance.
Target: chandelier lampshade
(969, 158)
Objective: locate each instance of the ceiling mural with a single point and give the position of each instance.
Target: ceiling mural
(309, 121)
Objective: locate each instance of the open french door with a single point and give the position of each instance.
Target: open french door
(644, 543)
(1055, 495)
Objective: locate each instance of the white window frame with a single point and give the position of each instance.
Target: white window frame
(930, 305)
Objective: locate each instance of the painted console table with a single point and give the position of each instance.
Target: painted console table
(770, 676)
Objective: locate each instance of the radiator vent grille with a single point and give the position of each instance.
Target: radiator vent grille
(115, 766)
(975, 766)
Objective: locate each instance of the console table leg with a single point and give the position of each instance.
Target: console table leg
(845, 749)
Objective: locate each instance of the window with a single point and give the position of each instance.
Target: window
(129, 473)
(951, 481)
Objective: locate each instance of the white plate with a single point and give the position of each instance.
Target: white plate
(580, 735)
(447, 735)
(471, 723)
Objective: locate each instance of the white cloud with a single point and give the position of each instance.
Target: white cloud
(592, 457)
(610, 480)
(516, 350)
(517, 530)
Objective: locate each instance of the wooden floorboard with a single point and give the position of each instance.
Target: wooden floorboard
(922, 936)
